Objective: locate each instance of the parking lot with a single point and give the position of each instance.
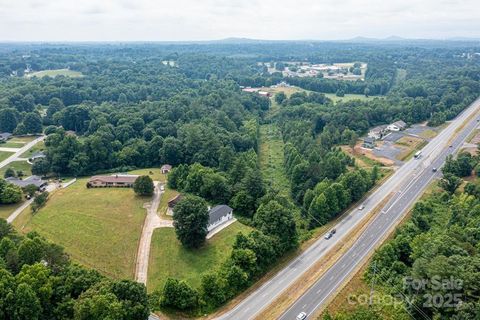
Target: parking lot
(397, 145)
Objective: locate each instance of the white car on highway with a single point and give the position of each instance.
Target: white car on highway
(302, 316)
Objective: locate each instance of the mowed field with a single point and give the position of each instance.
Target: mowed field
(99, 228)
(7, 209)
(349, 97)
(168, 258)
(272, 158)
(23, 166)
(56, 72)
(4, 155)
(290, 90)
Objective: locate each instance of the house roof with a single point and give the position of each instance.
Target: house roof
(217, 212)
(166, 167)
(379, 128)
(400, 124)
(115, 178)
(5, 135)
(173, 201)
(35, 180)
(368, 140)
(39, 154)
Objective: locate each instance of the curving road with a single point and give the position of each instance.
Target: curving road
(406, 184)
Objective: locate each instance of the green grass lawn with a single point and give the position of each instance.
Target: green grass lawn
(54, 73)
(23, 139)
(39, 146)
(271, 158)
(290, 90)
(163, 206)
(4, 155)
(349, 97)
(18, 166)
(7, 209)
(154, 173)
(168, 258)
(11, 144)
(99, 228)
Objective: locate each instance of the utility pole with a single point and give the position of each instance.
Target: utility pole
(372, 288)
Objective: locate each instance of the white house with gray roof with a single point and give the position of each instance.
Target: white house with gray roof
(397, 126)
(219, 215)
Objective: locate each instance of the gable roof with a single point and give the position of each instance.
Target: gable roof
(217, 212)
(35, 180)
(379, 128)
(400, 124)
(115, 178)
(369, 140)
(39, 154)
(166, 167)
(5, 135)
(173, 201)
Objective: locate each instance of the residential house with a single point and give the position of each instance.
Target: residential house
(166, 168)
(116, 180)
(369, 143)
(22, 183)
(397, 126)
(265, 94)
(378, 132)
(4, 136)
(219, 215)
(250, 89)
(36, 156)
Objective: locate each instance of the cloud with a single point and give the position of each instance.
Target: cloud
(214, 19)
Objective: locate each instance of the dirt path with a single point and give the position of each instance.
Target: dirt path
(152, 222)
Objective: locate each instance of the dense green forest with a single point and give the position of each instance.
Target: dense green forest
(144, 105)
(38, 281)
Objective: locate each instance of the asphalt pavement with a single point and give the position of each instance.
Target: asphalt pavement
(404, 187)
(411, 188)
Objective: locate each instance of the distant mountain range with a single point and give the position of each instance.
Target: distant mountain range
(359, 39)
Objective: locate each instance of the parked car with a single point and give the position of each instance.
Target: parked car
(333, 231)
(361, 207)
(302, 316)
(434, 169)
(328, 235)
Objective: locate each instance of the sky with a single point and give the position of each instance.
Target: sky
(183, 20)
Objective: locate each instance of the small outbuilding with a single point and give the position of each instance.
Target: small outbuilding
(173, 201)
(369, 143)
(166, 168)
(36, 156)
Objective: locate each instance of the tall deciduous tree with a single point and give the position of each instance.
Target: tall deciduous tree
(276, 220)
(190, 219)
(143, 186)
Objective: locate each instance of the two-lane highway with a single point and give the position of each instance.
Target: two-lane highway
(398, 183)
